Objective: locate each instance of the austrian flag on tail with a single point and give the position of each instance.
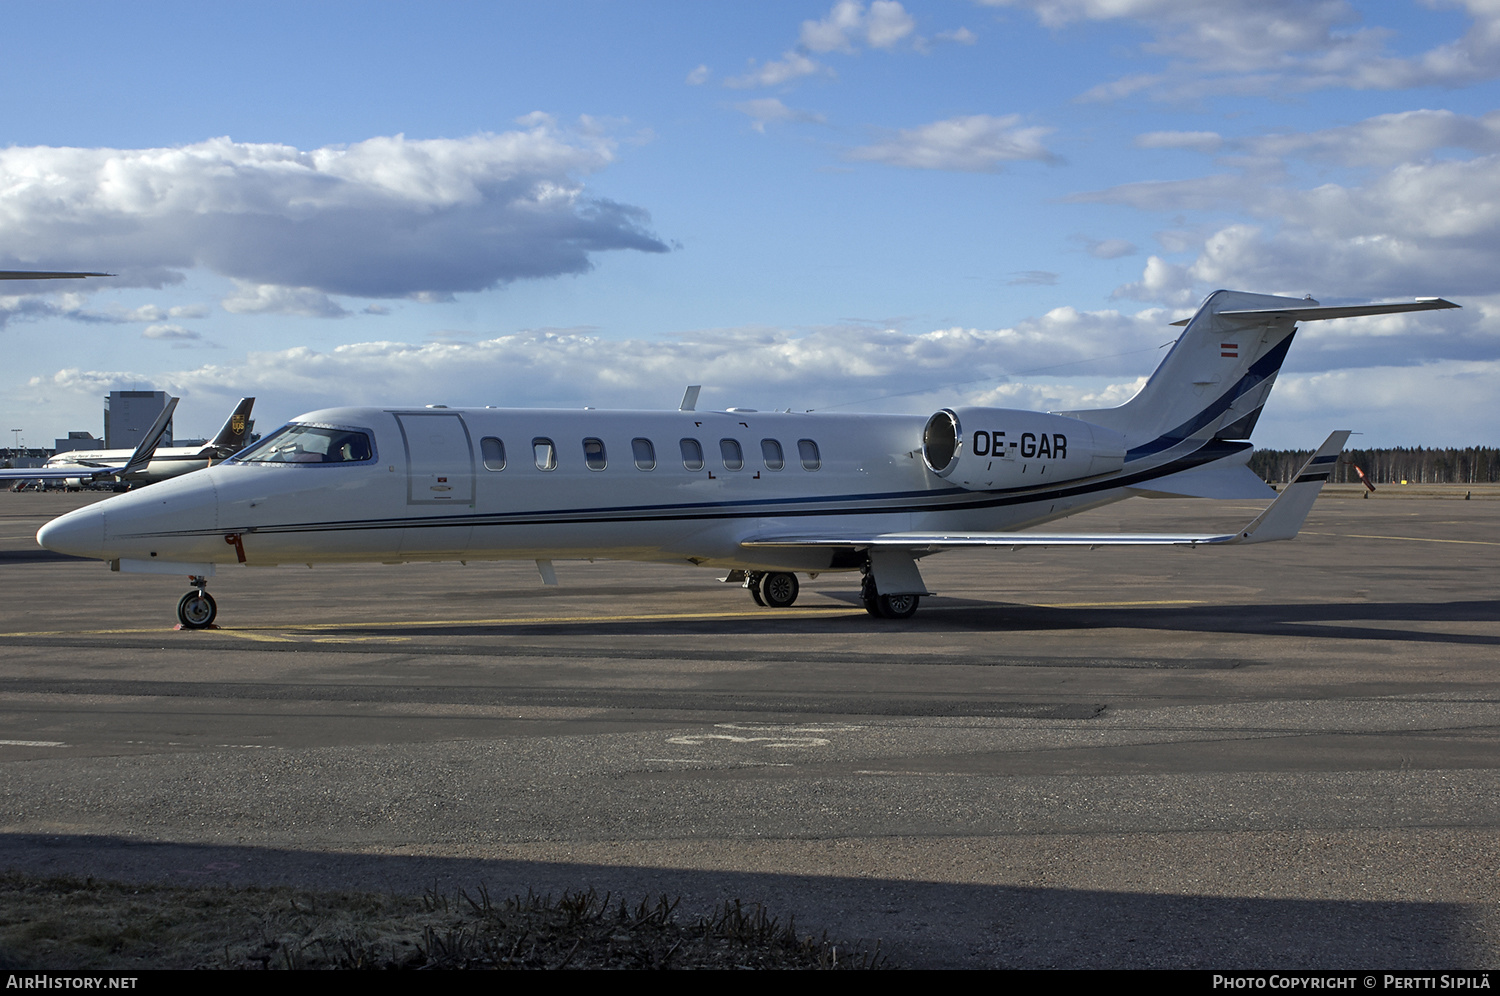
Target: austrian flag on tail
(1230, 349)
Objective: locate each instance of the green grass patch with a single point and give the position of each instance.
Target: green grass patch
(64, 923)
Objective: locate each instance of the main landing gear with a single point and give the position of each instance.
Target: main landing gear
(778, 590)
(197, 609)
(774, 589)
(886, 606)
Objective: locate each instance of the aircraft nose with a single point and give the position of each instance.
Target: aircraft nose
(80, 533)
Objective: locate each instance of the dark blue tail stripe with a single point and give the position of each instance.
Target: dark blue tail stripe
(1266, 366)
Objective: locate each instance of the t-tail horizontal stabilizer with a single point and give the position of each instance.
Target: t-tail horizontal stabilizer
(1284, 516)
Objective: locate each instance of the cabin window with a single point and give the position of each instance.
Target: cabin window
(296, 443)
(770, 451)
(733, 456)
(493, 451)
(593, 453)
(808, 451)
(544, 453)
(644, 453)
(692, 454)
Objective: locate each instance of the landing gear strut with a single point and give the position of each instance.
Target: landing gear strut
(197, 609)
(886, 606)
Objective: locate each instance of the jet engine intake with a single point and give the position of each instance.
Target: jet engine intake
(991, 448)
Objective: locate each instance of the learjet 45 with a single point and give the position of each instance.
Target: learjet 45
(765, 495)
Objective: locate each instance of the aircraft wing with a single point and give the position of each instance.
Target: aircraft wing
(1281, 520)
(55, 473)
(46, 275)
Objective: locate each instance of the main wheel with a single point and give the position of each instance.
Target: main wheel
(779, 589)
(899, 606)
(197, 610)
(870, 597)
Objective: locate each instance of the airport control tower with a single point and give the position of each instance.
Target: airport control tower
(128, 415)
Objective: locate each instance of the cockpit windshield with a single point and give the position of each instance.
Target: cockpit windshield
(295, 443)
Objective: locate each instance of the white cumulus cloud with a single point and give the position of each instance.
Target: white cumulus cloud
(168, 331)
(383, 218)
(849, 24)
(755, 367)
(1249, 47)
(979, 143)
(792, 65)
(1199, 141)
(263, 299)
(769, 110)
(1411, 223)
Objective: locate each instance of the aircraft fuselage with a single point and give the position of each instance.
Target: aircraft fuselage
(167, 461)
(461, 484)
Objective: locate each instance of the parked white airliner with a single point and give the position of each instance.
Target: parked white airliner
(75, 467)
(765, 494)
(170, 461)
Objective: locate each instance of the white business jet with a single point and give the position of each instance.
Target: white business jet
(767, 495)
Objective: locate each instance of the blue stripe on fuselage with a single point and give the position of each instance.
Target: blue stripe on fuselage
(946, 500)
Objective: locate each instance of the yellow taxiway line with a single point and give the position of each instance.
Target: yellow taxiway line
(257, 632)
(1115, 605)
(267, 633)
(1407, 539)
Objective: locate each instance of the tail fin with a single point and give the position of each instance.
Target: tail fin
(1217, 376)
(141, 458)
(235, 434)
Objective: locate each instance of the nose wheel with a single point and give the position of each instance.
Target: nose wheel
(197, 609)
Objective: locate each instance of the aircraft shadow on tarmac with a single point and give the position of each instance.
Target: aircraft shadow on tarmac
(918, 924)
(1414, 622)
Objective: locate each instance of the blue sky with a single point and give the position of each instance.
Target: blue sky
(857, 205)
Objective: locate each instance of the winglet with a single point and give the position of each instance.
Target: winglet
(690, 398)
(1284, 516)
(147, 449)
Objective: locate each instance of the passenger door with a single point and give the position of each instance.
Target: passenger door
(439, 458)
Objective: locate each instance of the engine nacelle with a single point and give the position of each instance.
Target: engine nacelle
(990, 448)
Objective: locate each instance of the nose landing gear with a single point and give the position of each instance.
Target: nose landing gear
(197, 609)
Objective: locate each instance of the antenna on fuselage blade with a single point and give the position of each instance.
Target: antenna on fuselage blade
(690, 398)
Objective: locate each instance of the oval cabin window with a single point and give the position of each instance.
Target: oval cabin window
(544, 453)
(493, 451)
(593, 453)
(644, 453)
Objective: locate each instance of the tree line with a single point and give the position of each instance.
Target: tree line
(1417, 464)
